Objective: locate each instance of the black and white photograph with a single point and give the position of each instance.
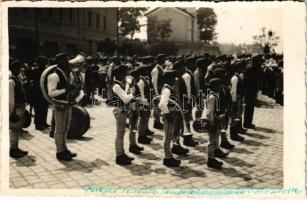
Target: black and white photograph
(146, 98)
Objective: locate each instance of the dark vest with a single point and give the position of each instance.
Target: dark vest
(62, 84)
(114, 100)
(173, 96)
(19, 93)
(146, 87)
(181, 90)
(240, 87)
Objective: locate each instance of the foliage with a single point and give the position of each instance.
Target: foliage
(168, 48)
(158, 30)
(206, 20)
(106, 46)
(266, 40)
(129, 47)
(128, 20)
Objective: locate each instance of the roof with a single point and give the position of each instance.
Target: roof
(179, 9)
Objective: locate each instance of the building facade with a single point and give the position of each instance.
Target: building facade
(182, 21)
(185, 32)
(47, 31)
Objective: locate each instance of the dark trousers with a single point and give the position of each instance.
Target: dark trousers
(41, 111)
(250, 101)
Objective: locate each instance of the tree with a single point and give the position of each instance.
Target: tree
(206, 20)
(128, 20)
(106, 46)
(266, 40)
(158, 30)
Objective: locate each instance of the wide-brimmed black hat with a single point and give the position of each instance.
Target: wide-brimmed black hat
(14, 64)
(215, 82)
(161, 57)
(42, 60)
(219, 73)
(60, 57)
(178, 66)
(169, 74)
(119, 69)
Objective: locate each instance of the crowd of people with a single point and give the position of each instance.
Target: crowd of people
(184, 94)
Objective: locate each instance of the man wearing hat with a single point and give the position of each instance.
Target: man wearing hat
(213, 118)
(185, 93)
(137, 117)
(200, 85)
(40, 104)
(156, 76)
(120, 99)
(171, 117)
(236, 92)
(17, 101)
(251, 90)
(224, 107)
(59, 88)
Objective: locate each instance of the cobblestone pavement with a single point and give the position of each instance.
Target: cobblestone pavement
(255, 163)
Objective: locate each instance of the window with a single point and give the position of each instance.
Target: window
(104, 23)
(97, 21)
(61, 14)
(89, 22)
(50, 12)
(70, 15)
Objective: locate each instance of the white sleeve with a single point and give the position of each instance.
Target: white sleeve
(53, 80)
(187, 79)
(154, 78)
(233, 90)
(11, 96)
(165, 94)
(141, 86)
(126, 98)
(210, 109)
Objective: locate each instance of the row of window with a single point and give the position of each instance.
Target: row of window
(93, 20)
(90, 17)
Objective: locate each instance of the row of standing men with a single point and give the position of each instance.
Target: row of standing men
(190, 82)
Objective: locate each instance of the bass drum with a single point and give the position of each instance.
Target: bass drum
(27, 119)
(79, 122)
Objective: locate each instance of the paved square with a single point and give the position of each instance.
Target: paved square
(255, 163)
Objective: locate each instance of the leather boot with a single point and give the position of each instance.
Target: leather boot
(171, 162)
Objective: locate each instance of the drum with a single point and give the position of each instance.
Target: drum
(79, 122)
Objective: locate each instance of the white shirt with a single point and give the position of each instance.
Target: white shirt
(154, 78)
(187, 80)
(165, 94)
(141, 86)
(233, 90)
(53, 80)
(122, 94)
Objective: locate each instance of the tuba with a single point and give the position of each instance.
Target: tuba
(78, 61)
